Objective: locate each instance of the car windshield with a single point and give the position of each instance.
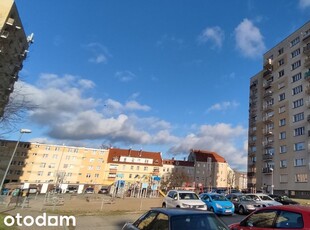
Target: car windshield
(245, 198)
(218, 198)
(265, 198)
(196, 222)
(285, 198)
(188, 196)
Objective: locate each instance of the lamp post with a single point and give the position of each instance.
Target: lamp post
(271, 169)
(22, 131)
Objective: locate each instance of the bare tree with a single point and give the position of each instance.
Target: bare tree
(176, 179)
(15, 112)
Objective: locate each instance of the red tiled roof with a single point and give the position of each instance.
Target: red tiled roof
(113, 153)
(178, 163)
(202, 156)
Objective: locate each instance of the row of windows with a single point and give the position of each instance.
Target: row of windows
(297, 163)
(299, 178)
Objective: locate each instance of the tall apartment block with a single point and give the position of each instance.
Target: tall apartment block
(279, 119)
(13, 49)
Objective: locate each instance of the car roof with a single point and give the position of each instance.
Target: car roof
(181, 211)
(187, 191)
(296, 208)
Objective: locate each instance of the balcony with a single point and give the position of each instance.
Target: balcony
(267, 170)
(10, 22)
(251, 174)
(267, 84)
(252, 143)
(307, 75)
(307, 90)
(267, 108)
(306, 49)
(268, 94)
(307, 62)
(268, 65)
(267, 132)
(267, 73)
(306, 35)
(268, 144)
(267, 157)
(267, 119)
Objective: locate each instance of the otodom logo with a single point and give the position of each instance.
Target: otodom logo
(41, 220)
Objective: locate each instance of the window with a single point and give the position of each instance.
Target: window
(298, 103)
(295, 41)
(145, 168)
(299, 146)
(288, 219)
(299, 131)
(131, 167)
(55, 156)
(298, 117)
(88, 175)
(283, 178)
(297, 90)
(265, 217)
(283, 149)
(42, 165)
(281, 73)
(296, 77)
(90, 167)
(280, 51)
(283, 164)
(138, 167)
(282, 122)
(281, 62)
(45, 155)
(295, 53)
(281, 85)
(67, 157)
(301, 178)
(282, 109)
(281, 96)
(98, 167)
(282, 135)
(299, 162)
(40, 173)
(96, 175)
(91, 160)
(295, 65)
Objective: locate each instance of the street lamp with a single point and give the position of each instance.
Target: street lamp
(22, 131)
(271, 169)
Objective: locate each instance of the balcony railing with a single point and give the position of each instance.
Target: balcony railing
(267, 157)
(306, 36)
(267, 170)
(306, 49)
(251, 174)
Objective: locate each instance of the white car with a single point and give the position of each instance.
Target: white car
(263, 199)
(183, 199)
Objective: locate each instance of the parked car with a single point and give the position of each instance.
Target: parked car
(276, 217)
(218, 203)
(103, 191)
(89, 190)
(176, 219)
(285, 200)
(5, 191)
(263, 199)
(183, 199)
(71, 190)
(243, 204)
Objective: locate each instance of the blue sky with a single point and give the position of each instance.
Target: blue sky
(159, 75)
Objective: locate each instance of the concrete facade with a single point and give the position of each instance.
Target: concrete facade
(279, 115)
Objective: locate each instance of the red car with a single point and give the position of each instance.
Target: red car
(276, 217)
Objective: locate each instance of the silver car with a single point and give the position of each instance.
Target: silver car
(263, 199)
(243, 204)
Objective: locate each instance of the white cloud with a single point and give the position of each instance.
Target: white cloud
(304, 4)
(125, 76)
(99, 53)
(249, 40)
(213, 34)
(221, 138)
(223, 106)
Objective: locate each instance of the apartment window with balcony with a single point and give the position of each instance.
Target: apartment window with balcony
(282, 122)
(298, 103)
(282, 109)
(298, 117)
(283, 163)
(299, 146)
(282, 135)
(295, 53)
(295, 41)
(296, 77)
(301, 178)
(299, 131)
(281, 62)
(281, 73)
(299, 162)
(283, 149)
(297, 90)
(295, 65)
(282, 97)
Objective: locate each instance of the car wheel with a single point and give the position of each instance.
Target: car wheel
(164, 205)
(212, 209)
(241, 210)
